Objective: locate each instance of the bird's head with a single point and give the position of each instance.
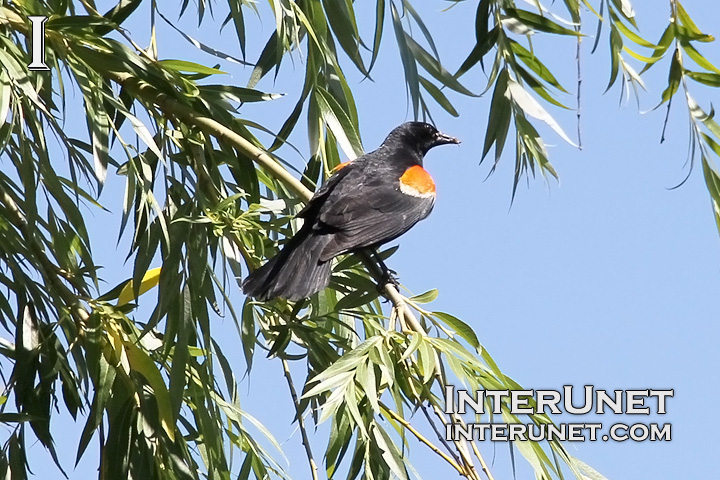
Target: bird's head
(418, 136)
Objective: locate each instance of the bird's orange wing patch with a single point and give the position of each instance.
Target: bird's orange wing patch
(340, 166)
(417, 181)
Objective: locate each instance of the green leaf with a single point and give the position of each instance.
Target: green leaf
(533, 108)
(99, 126)
(707, 119)
(630, 34)
(537, 86)
(699, 59)
(118, 14)
(199, 45)
(355, 299)
(343, 379)
(674, 77)
(479, 51)
(709, 79)
(103, 390)
(248, 328)
(408, 61)
(426, 297)
(143, 364)
(339, 124)
(5, 96)
(616, 45)
(270, 57)
(347, 362)
(686, 35)
(185, 66)
(412, 347)
(236, 94)
(407, 6)
(535, 65)
(238, 18)
(428, 360)
(499, 117)
(637, 56)
(435, 68)
(663, 44)
(389, 452)
(379, 24)
(690, 30)
(17, 418)
(712, 180)
(78, 22)
(462, 328)
(539, 23)
(181, 354)
(341, 16)
(438, 95)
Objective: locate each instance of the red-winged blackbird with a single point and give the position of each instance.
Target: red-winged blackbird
(365, 203)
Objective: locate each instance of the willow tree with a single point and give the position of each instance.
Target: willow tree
(205, 201)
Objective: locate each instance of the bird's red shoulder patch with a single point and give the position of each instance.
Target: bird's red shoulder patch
(416, 181)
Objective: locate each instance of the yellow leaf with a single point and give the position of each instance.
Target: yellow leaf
(150, 280)
(143, 364)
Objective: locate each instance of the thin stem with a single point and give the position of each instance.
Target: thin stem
(301, 421)
(442, 439)
(579, 83)
(462, 446)
(408, 426)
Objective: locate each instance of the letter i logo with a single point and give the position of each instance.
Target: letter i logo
(38, 43)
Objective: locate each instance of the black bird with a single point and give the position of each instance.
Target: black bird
(366, 202)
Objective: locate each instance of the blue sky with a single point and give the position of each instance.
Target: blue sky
(608, 278)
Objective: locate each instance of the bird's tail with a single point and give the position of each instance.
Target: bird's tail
(296, 272)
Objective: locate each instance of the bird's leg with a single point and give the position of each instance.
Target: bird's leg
(387, 275)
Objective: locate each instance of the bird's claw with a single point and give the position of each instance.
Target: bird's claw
(389, 277)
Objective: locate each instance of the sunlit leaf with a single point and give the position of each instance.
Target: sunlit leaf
(537, 22)
(149, 280)
(533, 108)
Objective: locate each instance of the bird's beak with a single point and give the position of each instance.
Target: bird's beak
(442, 139)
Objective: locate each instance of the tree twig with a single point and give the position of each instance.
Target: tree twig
(408, 426)
(300, 420)
(579, 83)
(442, 439)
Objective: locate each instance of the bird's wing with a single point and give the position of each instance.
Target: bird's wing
(363, 215)
(321, 193)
